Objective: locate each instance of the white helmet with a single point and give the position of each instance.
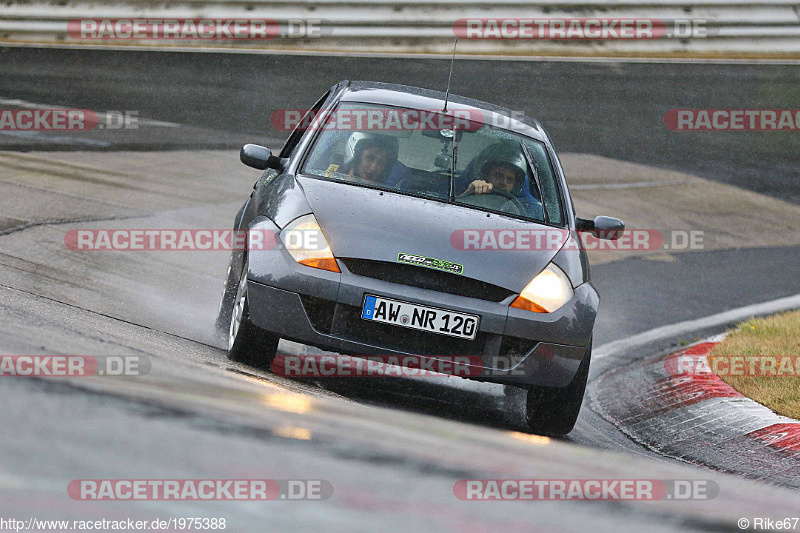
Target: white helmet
(360, 141)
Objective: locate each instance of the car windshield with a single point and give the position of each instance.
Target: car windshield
(411, 151)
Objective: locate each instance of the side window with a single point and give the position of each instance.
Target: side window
(297, 133)
(547, 176)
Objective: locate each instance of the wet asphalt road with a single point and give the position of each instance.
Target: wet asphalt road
(222, 101)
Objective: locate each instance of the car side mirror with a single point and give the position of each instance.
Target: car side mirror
(261, 158)
(602, 227)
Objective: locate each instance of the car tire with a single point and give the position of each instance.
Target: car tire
(247, 343)
(553, 411)
(225, 307)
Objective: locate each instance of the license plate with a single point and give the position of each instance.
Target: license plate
(421, 317)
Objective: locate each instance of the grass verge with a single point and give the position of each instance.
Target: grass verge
(773, 377)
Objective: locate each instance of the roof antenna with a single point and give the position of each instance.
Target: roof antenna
(450, 75)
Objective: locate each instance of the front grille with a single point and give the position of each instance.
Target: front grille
(427, 278)
(345, 321)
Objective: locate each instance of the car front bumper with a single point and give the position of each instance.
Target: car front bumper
(323, 309)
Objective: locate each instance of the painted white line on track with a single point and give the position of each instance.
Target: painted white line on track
(407, 55)
(664, 332)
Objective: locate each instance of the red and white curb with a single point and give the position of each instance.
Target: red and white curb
(664, 404)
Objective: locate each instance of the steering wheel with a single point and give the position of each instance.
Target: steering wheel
(497, 192)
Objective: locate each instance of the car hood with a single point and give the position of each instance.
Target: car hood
(365, 223)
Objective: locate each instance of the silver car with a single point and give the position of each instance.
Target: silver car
(440, 228)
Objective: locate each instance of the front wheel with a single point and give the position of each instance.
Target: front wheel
(226, 303)
(554, 411)
(247, 343)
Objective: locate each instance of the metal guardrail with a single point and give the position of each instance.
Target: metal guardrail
(770, 27)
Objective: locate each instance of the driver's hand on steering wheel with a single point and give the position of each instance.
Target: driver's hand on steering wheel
(479, 187)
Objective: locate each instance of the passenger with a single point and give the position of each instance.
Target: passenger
(371, 157)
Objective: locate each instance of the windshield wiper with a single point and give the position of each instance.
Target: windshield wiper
(532, 166)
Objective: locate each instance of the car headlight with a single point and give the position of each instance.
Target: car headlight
(305, 242)
(546, 292)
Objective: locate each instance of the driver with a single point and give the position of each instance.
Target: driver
(498, 175)
(502, 169)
